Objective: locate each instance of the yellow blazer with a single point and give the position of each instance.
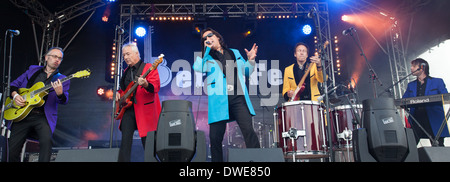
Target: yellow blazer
(289, 82)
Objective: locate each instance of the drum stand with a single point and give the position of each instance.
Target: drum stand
(293, 134)
(347, 136)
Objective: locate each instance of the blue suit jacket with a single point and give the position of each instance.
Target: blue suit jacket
(435, 110)
(217, 84)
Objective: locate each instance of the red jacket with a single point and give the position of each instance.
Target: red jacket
(148, 106)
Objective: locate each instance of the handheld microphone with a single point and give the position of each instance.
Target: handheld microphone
(14, 32)
(347, 31)
(208, 42)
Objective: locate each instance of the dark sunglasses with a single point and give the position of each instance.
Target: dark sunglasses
(209, 35)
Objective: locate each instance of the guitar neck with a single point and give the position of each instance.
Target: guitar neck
(305, 75)
(49, 86)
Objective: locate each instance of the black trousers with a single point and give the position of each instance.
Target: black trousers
(239, 112)
(34, 126)
(128, 126)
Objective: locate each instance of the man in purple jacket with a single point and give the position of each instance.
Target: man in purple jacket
(40, 123)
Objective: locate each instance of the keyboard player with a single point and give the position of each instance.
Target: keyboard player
(429, 115)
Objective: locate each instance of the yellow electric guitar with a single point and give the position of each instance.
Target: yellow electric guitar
(33, 97)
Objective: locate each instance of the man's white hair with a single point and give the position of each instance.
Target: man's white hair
(133, 46)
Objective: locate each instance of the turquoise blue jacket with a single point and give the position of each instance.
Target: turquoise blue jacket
(217, 85)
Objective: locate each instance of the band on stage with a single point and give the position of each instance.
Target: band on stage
(299, 122)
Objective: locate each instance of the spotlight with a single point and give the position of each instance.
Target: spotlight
(306, 29)
(140, 31)
(247, 33)
(197, 27)
(105, 92)
(345, 18)
(100, 91)
(176, 139)
(105, 19)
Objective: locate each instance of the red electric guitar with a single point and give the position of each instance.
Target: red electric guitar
(301, 85)
(125, 99)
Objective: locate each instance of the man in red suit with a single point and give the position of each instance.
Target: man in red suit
(144, 114)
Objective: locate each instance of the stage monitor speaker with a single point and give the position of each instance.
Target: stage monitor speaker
(386, 135)
(434, 154)
(175, 136)
(255, 155)
(88, 155)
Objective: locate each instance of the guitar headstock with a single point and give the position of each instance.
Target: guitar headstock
(158, 61)
(82, 74)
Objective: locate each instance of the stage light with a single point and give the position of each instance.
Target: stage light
(100, 91)
(176, 139)
(140, 31)
(105, 19)
(345, 18)
(306, 29)
(247, 33)
(105, 92)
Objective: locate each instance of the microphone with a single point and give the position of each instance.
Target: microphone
(422, 66)
(311, 12)
(120, 30)
(14, 32)
(347, 31)
(208, 42)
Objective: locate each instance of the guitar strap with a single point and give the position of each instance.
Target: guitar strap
(141, 69)
(138, 74)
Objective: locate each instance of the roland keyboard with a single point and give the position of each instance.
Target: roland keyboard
(423, 99)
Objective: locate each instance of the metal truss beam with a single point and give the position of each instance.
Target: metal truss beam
(220, 9)
(51, 23)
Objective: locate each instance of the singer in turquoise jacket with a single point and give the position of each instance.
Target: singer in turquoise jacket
(217, 85)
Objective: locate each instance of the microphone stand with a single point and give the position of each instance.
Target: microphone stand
(396, 83)
(321, 49)
(118, 71)
(7, 88)
(372, 74)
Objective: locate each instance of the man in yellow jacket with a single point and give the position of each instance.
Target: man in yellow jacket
(294, 73)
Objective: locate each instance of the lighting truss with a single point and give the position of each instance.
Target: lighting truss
(51, 23)
(130, 12)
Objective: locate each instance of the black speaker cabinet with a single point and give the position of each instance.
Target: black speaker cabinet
(88, 155)
(434, 154)
(255, 155)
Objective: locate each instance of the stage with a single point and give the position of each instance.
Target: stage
(390, 34)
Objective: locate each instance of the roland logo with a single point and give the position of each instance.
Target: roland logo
(418, 101)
